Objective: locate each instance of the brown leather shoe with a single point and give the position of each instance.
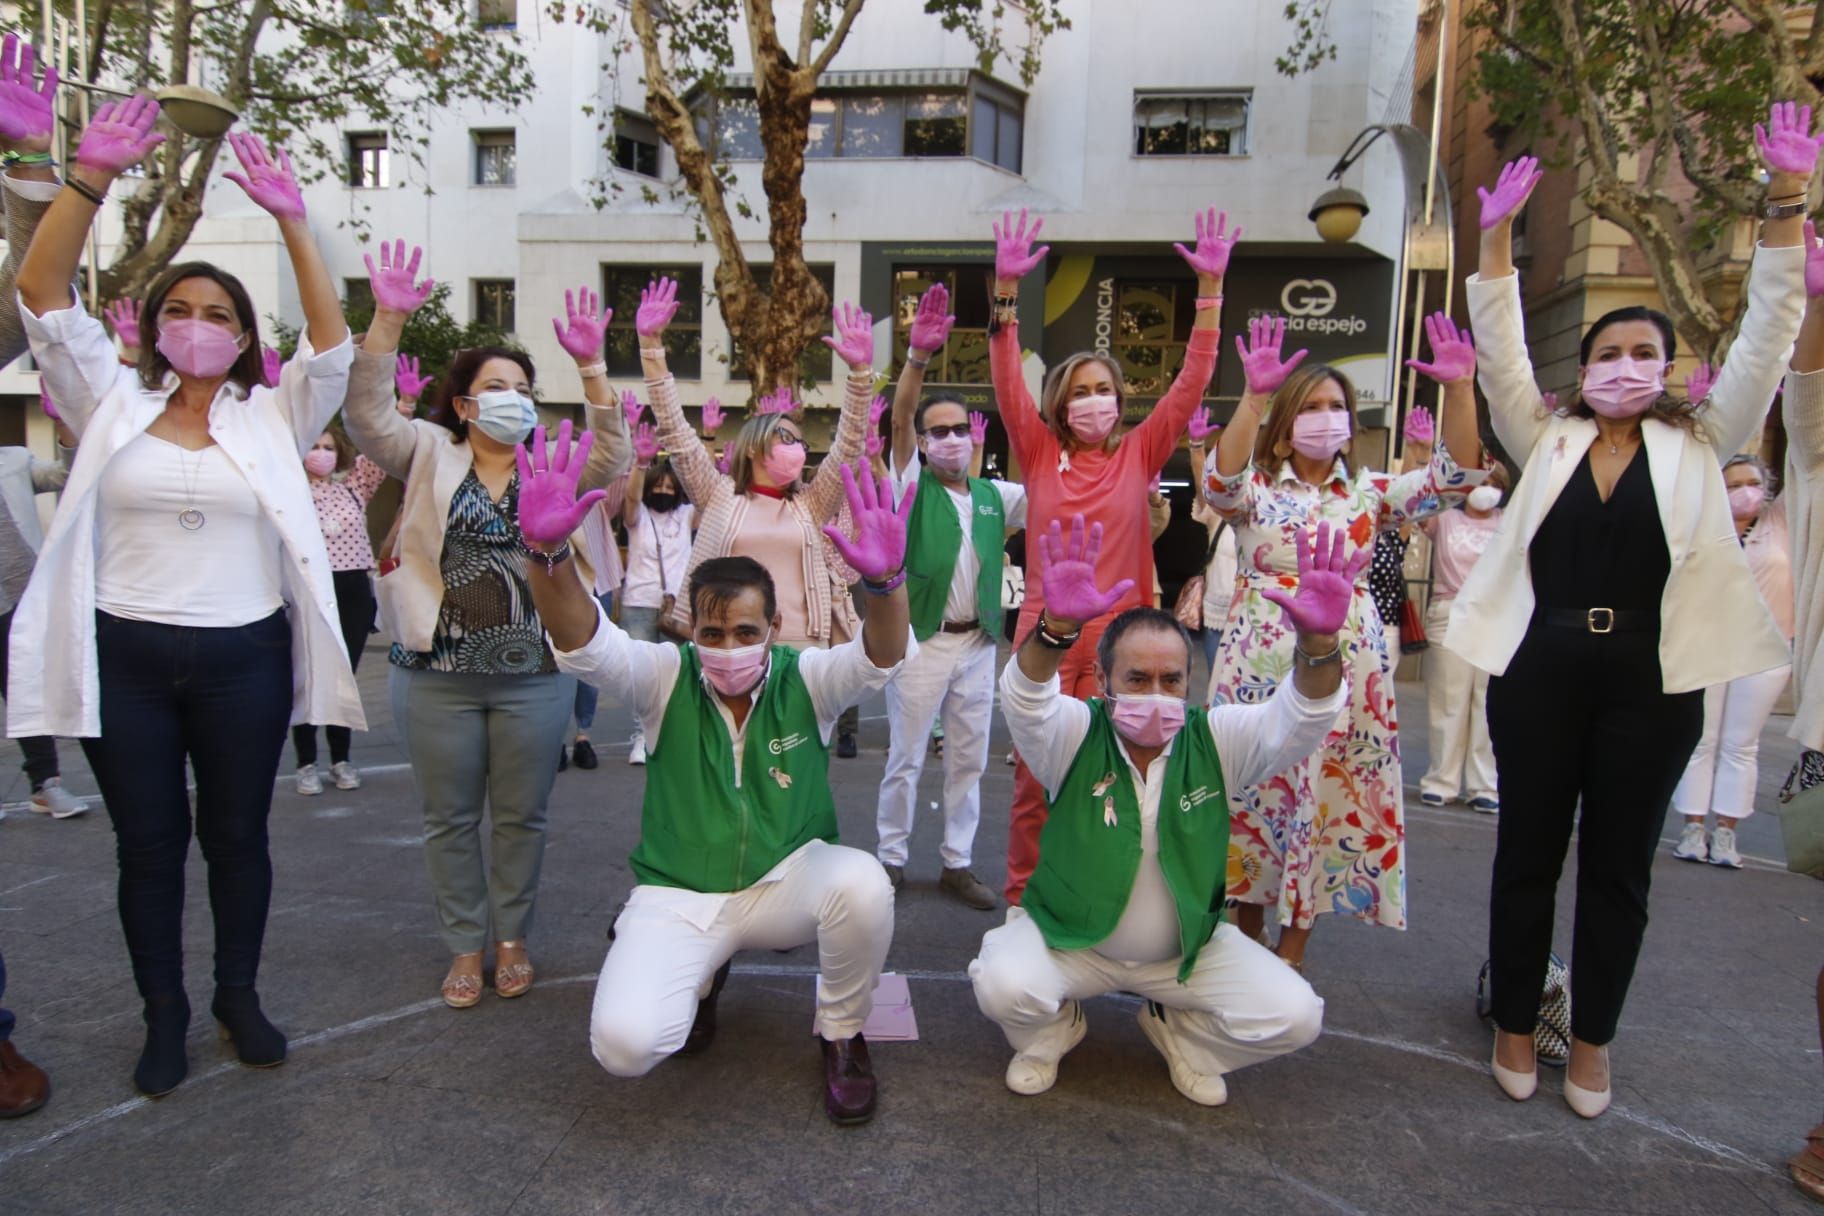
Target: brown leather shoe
(23, 1085)
(896, 875)
(848, 1080)
(703, 1030)
(963, 885)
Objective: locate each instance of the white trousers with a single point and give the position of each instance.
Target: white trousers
(1240, 1005)
(952, 673)
(1725, 767)
(662, 964)
(1457, 696)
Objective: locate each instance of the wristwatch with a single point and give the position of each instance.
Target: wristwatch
(1784, 211)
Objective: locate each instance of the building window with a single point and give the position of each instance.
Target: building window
(964, 359)
(636, 144)
(367, 167)
(493, 158)
(1153, 321)
(357, 296)
(494, 303)
(683, 337)
(818, 362)
(497, 14)
(1191, 124)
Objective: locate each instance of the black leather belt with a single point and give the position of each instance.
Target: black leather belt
(960, 626)
(1601, 620)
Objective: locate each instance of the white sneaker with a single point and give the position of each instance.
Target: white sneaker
(637, 753)
(53, 800)
(345, 775)
(1722, 849)
(1691, 845)
(1198, 1087)
(308, 781)
(1032, 1075)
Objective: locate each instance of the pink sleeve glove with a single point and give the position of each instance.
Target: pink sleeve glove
(267, 182)
(978, 428)
(549, 510)
(120, 135)
(645, 443)
(1814, 261)
(878, 551)
(123, 315)
(1260, 361)
(1326, 582)
(1067, 571)
(1012, 243)
(26, 120)
(271, 364)
(1786, 142)
(1453, 355)
(406, 379)
(658, 305)
(1512, 189)
(1420, 427)
(1703, 376)
(392, 279)
(712, 415)
(581, 331)
(931, 323)
(1214, 245)
(1200, 428)
(854, 339)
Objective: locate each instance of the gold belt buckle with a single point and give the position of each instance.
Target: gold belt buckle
(1607, 619)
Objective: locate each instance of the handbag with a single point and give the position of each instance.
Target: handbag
(1552, 1032)
(1189, 607)
(1412, 629)
(1802, 823)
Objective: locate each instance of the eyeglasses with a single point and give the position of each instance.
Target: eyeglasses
(788, 437)
(958, 431)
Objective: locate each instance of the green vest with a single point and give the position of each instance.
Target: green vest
(698, 829)
(1087, 864)
(932, 539)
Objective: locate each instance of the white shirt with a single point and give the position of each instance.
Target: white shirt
(658, 553)
(1219, 575)
(1253, 742)
(149, 567)
(961, 605)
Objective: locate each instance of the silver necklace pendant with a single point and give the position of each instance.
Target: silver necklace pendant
(190, 519)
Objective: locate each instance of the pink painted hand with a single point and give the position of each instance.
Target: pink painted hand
(877, 410)
(1260, 361)
(407, 380)
(394, 290)
(44, 398)
(1214, 244)
(726, 460)
(712, 416)
(1549, 401)
(271, 364)
(874, 444)
(878, 551)
(1814, 261)
(777, 402)
(1014, 256)
(1326, 582)
(1786, 142)
(631, 407)
(1067, 571)
(658, 305)
(1453, 354)
(268, 182)
(26, 120)
(120, 135)
(585, 322)
(1421, 427)
(549, 510)
(931, 323)
(123, 315)
(978, 428)
(645, 444)
(1512, 189)
(1699, 382)
(854, 340)
(1200, 428)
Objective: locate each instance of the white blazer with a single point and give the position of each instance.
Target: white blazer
(54, 683)
(1713, 625)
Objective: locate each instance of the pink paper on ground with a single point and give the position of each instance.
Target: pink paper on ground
(892, 1020)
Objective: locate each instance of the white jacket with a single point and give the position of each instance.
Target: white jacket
(54, 683)
(1713, 625)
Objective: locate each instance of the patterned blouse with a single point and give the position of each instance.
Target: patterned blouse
(487, 625)
(342, 511)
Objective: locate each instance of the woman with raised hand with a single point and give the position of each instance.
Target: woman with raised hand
(1616, 572)
(762, 508)
(1074, 461)
(1327, 835)
(188, 463)
(1802, 503)
(659, 521)
(477, 695)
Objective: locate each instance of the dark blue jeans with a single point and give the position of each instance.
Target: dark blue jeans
(6, 1015)
(220, 698)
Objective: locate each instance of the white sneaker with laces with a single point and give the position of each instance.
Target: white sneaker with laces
(1030, 1075)
(308, 780)
(53, 800)
(1691, 845)
(345, 775)
(637, 753)
(1722, 849)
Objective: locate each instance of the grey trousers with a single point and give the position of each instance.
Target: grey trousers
(475, 739)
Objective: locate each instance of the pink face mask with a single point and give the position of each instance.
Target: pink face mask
(198, 348)
(949, 454)
(320, 462)
(1147, 720)
(1622, 388)
(784, 462)
(1092, 418)
(733, 672)
(1320, 434)
(1745, 501)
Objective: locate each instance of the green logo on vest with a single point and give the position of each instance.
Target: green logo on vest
(1196, 797)
(781, 746)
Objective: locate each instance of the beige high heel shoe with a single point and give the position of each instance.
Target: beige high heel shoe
(461, 990)
(512, 979)
(1589, 1102)
(1515, 1084)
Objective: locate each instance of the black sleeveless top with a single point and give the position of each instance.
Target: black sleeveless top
(1594, 554)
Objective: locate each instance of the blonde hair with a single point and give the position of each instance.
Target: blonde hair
(1274, 443)
(1054, 405)
(756, 435)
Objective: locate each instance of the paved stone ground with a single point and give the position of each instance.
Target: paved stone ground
(392, 1103)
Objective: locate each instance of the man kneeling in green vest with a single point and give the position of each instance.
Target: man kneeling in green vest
(738, 833)
(1128, 892)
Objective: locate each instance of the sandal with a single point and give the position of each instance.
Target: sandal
(1807, 1165)
(461, 989)
(512, 979)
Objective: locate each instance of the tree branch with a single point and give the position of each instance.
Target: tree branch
(838, 36)
(807, 30)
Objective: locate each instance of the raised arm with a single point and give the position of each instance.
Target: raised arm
(1453, 369)
(272, 184)
(365, 479)
(1158, 432)
(878, 554)
(645, 451)
(1503, 367)
(854, 344)
(1014, 259)
(930, 330)
(580, 333)
(1804, 398)
(690, 460)
(1228, 486)
(26, 124)
(384, 435)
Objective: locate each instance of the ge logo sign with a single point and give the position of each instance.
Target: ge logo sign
(1308, 298)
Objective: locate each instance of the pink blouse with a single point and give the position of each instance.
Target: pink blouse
(342, 512)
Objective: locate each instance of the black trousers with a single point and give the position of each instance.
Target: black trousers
(220, 698)
(1580, 717)
(40, 750)
(355, 609)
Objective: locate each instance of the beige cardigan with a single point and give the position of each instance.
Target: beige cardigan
(1802, 495)
(432, 463)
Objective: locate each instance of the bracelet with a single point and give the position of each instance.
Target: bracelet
(598, 368)
(888, 587)
(98, 197)
(551, 560)
(1055, 641)
(1205, 303)
(1320, 660)
(912, 359)
(32, 159)
(1784, 211)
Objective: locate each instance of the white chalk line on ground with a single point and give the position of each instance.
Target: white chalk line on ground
(1649, 1122)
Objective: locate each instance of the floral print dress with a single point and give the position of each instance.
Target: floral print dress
(1327, 835)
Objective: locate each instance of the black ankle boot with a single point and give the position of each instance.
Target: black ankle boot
(163, 1064)
(257, 1041)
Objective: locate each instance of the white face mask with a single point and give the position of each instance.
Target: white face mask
(505, 415)
(1484, 498)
